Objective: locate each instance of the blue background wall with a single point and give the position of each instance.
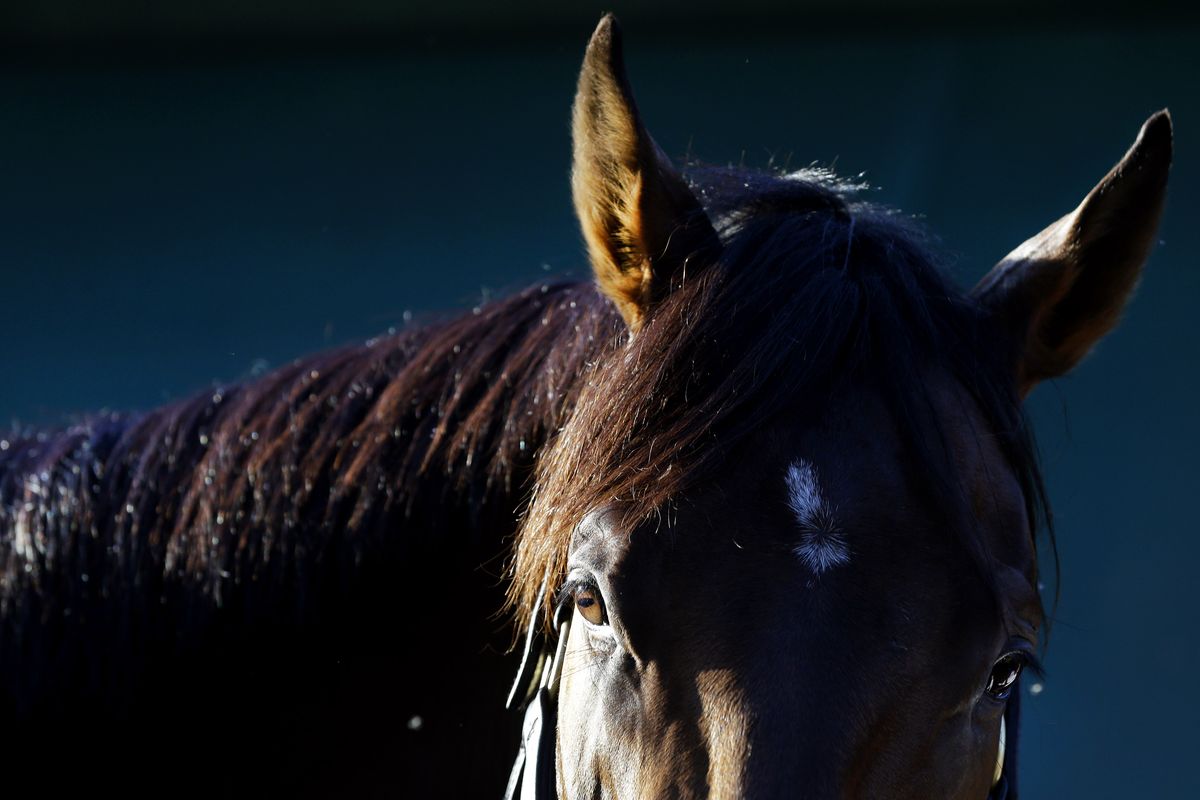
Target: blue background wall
(181, 205)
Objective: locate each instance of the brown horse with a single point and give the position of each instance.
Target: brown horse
(780, 540)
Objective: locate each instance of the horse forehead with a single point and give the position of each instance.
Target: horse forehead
(851, 459)
(853, 468)
(857, 442)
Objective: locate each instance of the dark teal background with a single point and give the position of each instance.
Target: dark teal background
(173, 218)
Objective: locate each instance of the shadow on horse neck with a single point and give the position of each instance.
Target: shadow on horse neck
(295, 574)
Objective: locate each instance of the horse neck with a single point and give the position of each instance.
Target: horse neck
(424, 434)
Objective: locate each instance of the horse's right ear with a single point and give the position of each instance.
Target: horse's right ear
(1062, 290)
(641, 223)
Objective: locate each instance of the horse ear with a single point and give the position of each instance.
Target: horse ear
(1061, 291)
(641, 223)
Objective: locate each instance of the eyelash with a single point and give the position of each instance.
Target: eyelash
(1032, 664)
(567, 593)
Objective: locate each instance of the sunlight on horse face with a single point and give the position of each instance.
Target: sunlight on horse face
(734, 668)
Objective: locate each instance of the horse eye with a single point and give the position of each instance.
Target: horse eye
(1004, 675)
(589, 605)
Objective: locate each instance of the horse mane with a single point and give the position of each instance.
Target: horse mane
(815, 289)
(252, 494)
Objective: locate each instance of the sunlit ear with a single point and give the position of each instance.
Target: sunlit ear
(642, 224)
(1064, 289)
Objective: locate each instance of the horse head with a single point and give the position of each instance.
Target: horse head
(786, 538)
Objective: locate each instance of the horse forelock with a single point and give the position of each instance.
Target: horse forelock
(815, 290)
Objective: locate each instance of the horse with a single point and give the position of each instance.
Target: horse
(762, 500)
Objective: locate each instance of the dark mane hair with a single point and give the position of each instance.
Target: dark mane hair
(815, 289)
(269, 496)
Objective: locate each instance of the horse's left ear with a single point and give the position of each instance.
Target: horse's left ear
(642, 224)
(1064, 289)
